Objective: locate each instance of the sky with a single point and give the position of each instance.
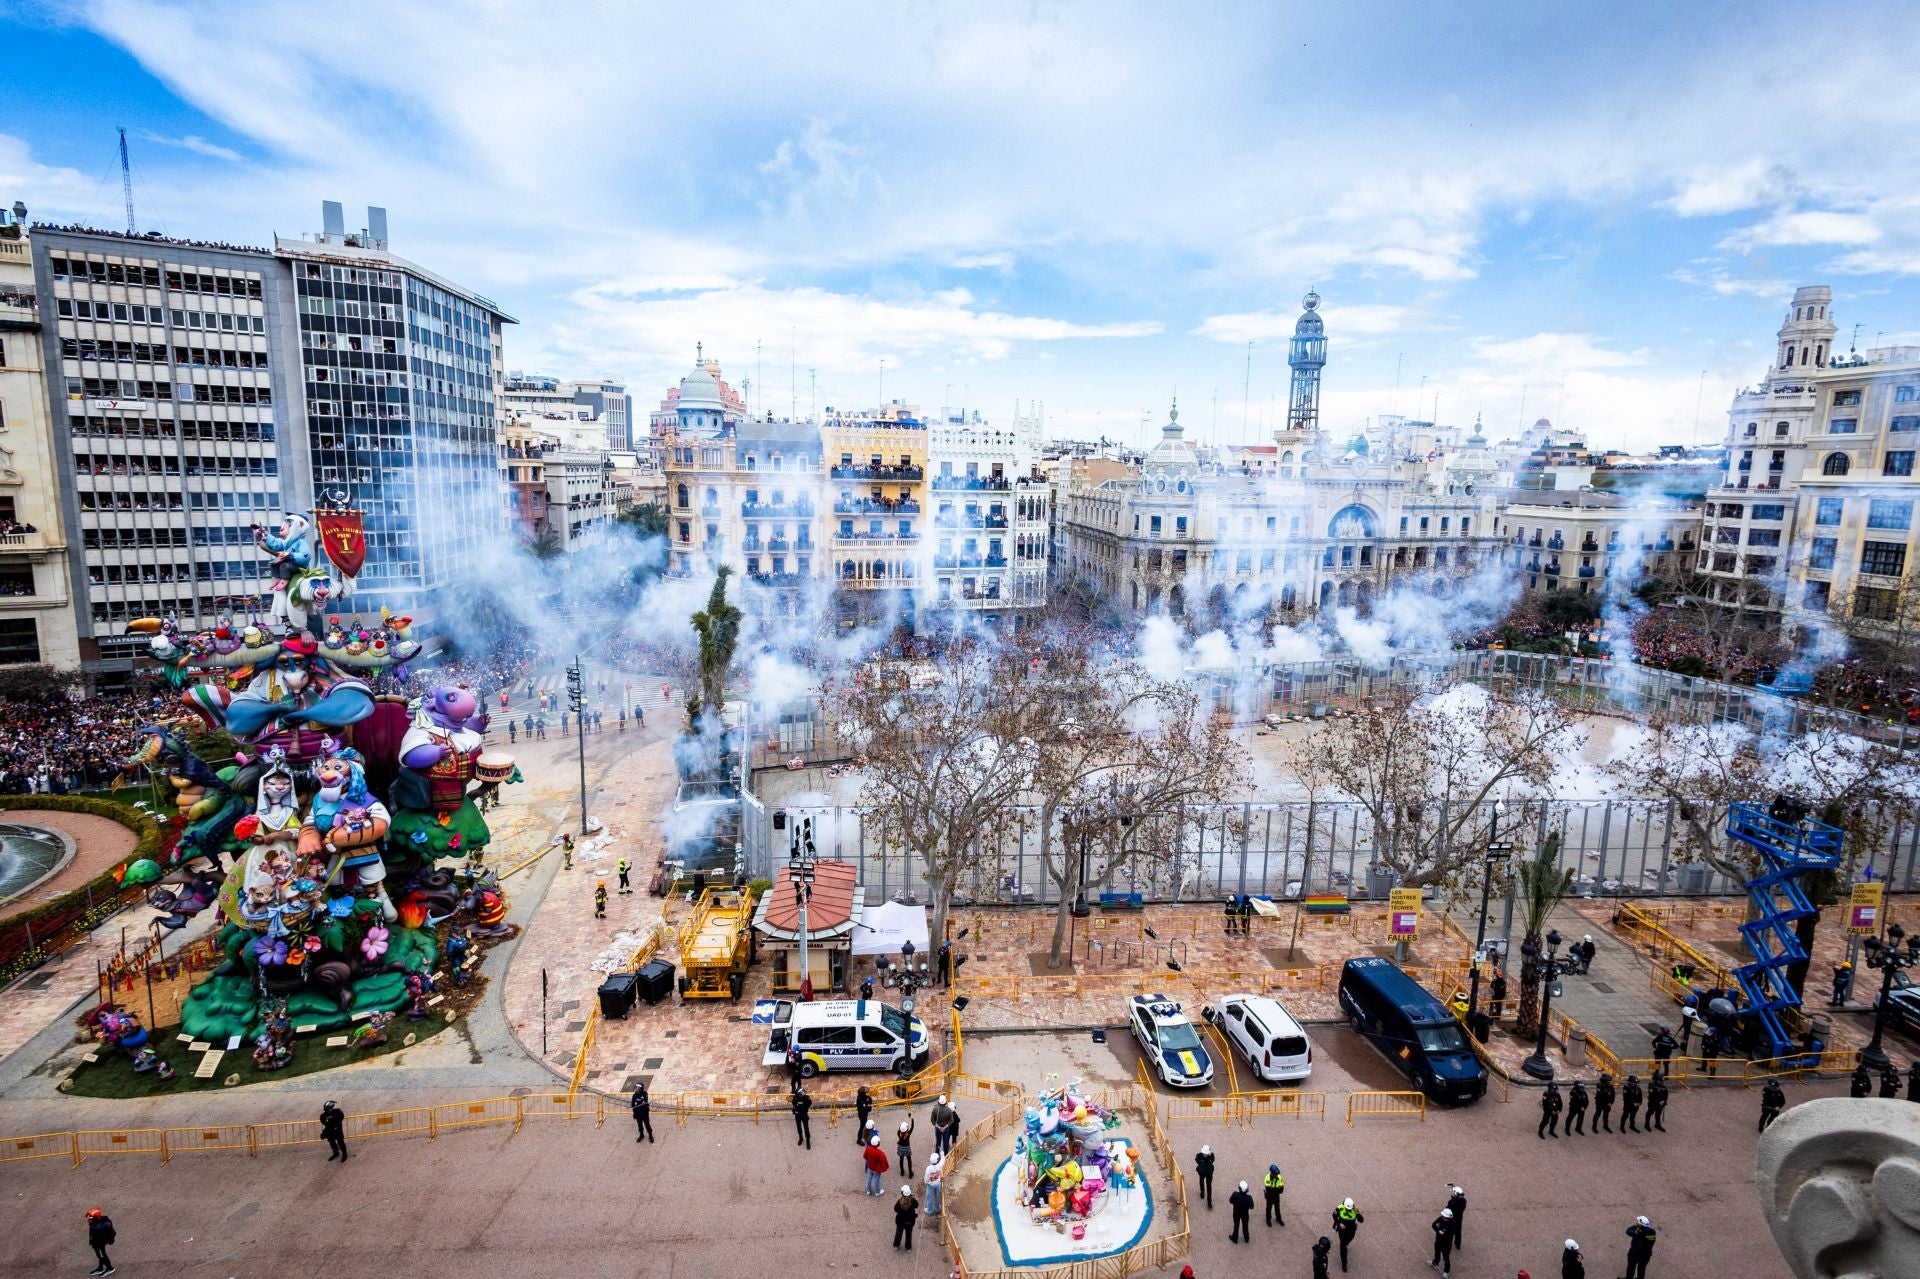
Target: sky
(1511, 211)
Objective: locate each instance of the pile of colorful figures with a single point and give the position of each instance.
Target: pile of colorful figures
(1071, 1167)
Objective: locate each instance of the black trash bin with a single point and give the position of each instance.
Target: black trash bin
(617, 994)
(655, 980)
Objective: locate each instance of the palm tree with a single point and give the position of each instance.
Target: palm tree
(547, 544)
(718, 626)
(1540, 885)
(648, 517)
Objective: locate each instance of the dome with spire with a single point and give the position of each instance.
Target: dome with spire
(1309, 324)
(700, 390)
(1173, 453)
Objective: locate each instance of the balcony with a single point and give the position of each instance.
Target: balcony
(870, 472)
(996, 521)
(1664, 544)
(972, 484)
(1588, 546)
(996, 561)
(859, 538)
(1533, 565)
(776, 511)
(752, 545)
(875, 506)
(1587, 570)
(1556, 543)
(1552, 570)
(714, 546)
(779, 579)
(1534, 541)
(957, 561)
(710, 511)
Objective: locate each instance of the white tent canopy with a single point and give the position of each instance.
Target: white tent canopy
(885, 928)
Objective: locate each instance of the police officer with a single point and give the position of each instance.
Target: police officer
(1346, 1224)
(1890, 1081)
(1550, 1105)
(1603, 1103)
(1321, 1247)
(1457, 1205)
(1443, 1242)
(1572, 1264)
(1663, 1045)
(1497, 996)
(1640, 1240)
(1772, 1101)
(802, 1126)
(1630, 1105)
(1861, 1084)
(1274, 1186)
(1657, 1102)
(863, 1106)
(1203, 1167)
(1242, 1204)
(333, 1126)
(642, 1107)
(794, 1065)
(1577, 1108)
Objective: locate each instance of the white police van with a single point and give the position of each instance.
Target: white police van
(1265, 1034)
(842, 1034)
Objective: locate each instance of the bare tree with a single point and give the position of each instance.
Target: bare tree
(1123, 772)
(942, 743)
(1426, 767)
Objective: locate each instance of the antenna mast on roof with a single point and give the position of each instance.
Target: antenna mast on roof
(126, 180)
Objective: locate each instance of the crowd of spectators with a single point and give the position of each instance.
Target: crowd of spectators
(56, 745)
(75, 228)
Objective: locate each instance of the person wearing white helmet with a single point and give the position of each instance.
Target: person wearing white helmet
(946, 1125)
(1443, 1243)
(1640, 1241)
(934, 1177)
(906, 1214)
(1457, 1205)
(1242, 1204)
(1572, 1264)
(1346, 1224)
(1203, 1168)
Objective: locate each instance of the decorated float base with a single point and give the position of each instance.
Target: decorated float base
(223, 1006)
(1122, 1221)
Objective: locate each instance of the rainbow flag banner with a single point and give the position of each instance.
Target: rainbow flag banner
(1327, 904)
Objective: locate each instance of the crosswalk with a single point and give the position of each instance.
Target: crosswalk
(607, 691)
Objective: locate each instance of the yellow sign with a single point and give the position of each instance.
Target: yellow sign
(1403, 914)
(1863, 911)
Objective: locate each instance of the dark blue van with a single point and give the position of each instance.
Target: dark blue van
(1412, 1028)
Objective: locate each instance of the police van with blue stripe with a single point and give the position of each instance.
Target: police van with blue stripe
(842, 1034)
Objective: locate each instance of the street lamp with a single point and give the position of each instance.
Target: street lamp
(577, 699)
(1496, 852)
(800, 868)
(1889, 957)
(903, 976)
(1537, 1065)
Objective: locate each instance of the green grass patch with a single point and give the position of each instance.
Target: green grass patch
(113, 1075)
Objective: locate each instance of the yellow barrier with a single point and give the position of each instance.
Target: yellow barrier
(41, 1145)
(727, 1105)
(1223, 1109)
(1841, 1061)
(560, 1105)
(386, 1123)
(290, 1132)
(474, 1114)
(1281, 1104)
(211, 1137)
(1387, 1103)
(128, 1141)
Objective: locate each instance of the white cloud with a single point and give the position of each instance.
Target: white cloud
(1259, 326)
(1728, 189)
(47, 189)
(1553, 352)
(196, 144)
(1817, 226)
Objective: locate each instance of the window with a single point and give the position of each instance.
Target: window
(1817, 596)
(1898, 462)
(1836, 464)
(19, 640)
(1875, 605)
(1180, 525)
(1763, 537)
(1820, 552)
(1883, 559)
(1842, 399)
(1888, 513)
(1904, 423)
(1730, 510)
(1764, 512)
(1843, 426)
(1153, 525)
(1780, 431)
(1828, 511)
(1906, 394)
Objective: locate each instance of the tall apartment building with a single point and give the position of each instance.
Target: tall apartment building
(877, 475)
(36, 589)
(1815, 515)
(523, 480)
(400, 368)
(203, 388)
(612, 405)
(990, 517)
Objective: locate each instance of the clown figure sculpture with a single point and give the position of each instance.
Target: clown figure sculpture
(290, 554)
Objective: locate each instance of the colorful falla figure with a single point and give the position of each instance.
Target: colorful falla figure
(290, 553)
(345, 825)
(433, 814)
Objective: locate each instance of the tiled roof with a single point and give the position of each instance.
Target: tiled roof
(830, 909)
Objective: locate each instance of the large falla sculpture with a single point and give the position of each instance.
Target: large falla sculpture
(339, 798)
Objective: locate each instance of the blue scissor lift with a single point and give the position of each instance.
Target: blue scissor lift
(1788, 850)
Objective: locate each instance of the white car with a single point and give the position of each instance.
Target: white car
(1173, 1047)
(1266, 1035)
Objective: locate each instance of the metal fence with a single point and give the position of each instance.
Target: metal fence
(1617, 847)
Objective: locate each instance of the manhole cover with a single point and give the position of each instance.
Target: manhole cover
(1602, 987)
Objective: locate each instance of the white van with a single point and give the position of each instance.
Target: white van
(1260, 1030)
(842, 1034)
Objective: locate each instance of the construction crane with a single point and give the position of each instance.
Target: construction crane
(126, 180)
